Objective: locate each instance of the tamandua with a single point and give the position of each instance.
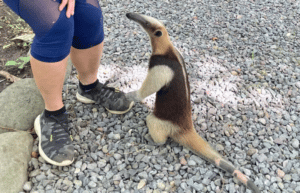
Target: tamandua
(172, 116)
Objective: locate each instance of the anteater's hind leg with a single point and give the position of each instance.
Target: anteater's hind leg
(159, 129)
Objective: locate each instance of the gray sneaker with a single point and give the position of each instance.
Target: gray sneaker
(55, 141)
(111, 98)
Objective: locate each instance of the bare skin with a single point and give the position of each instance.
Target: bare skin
(87, 62)
(49, 77)
(70, 7)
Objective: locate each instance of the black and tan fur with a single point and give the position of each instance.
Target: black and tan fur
(172, 112)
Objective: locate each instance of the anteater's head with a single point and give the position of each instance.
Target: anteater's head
(156, 30)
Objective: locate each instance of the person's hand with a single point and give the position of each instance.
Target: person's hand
(70, 9)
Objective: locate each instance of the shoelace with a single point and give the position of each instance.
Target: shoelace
(64, 124)
(108, 92)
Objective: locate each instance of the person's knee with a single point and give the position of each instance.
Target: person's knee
(88, 26)
(56, 43)
(53, 30)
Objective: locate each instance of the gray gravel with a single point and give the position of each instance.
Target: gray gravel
(244, 54)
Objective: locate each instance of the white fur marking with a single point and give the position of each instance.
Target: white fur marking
(153, 20)
(157, 77)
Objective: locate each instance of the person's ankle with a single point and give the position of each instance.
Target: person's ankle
(89, 86)
(56, 112)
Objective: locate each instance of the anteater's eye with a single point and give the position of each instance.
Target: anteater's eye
(158, 33)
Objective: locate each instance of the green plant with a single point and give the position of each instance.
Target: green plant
(20, 62)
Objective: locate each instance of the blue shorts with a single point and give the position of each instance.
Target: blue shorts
(54, 32)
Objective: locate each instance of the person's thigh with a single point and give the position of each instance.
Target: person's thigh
(53, 30)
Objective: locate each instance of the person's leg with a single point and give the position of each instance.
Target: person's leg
(49, 52)
(49, 78)
(86, 54)
(87, 62)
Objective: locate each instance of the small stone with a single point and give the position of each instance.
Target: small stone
(78, 182)
(239, 16)
(101, 163)
(161, 185)
(177, 167)
(219, 147)
(158, 167)
(255, 143)
(92, 166)
(280, 173)
(261, 114)
(262, 121)
(244, 117)
(104, 149)
(261, 158)
(281, 186)
(183, 161)
(252, 151)
(206, 181)
(278, 141)
(297, 84)
(239, 122)
(191, 163)
(35, 163)
(27, 186)
(117, 177)
(77, 170)
(183, 186)
(109, 175)
(41, 159)
(117, 136)
(117, 156)
(197, 186)
(294, 117)
(83, 167)
(287, 178)
(34, 173)
(67, 182)
(295, 143)
(247, 172)
(141, 184)
(143, 175)
(78, 164)
(34, 154)
(92, 184)
(121, 167)
(234, 73)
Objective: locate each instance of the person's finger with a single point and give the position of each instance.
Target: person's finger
(71, 7)
(62, 5)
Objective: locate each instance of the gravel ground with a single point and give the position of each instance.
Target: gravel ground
(243, 53)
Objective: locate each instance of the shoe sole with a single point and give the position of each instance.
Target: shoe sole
(37, 128)
(89, 101)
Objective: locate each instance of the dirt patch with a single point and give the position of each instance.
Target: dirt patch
(11, 25)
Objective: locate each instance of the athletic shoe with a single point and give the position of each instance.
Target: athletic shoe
(55, 141)
(111, 98)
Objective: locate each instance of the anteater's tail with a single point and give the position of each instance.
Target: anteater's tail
(199, 146)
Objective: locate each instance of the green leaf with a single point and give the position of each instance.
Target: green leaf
(10, 63)
(25, 60)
